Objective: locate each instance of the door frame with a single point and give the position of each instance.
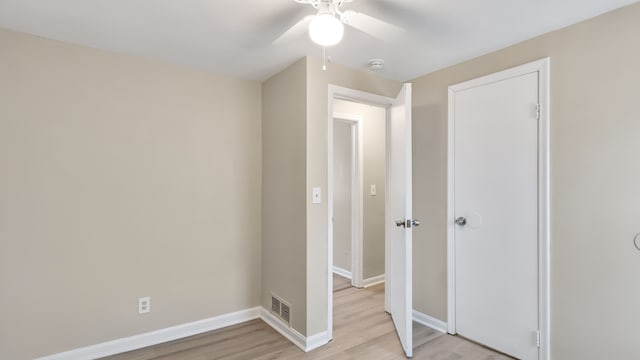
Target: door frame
(343, 93)
(357, 197)
(541, 66)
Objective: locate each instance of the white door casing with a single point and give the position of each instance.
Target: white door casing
(400, 209)
(498, 185)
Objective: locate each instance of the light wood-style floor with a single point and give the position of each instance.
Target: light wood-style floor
(362, 330)
(340, 282)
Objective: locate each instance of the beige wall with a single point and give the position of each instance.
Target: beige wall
(595, 202)
(283, 191)
(121, 178)
(374, 160)
(317, 100)
(295, 125)
(342, 194)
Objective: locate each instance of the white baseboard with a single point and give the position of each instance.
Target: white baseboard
(294, 336)
(189, 329)
(342, 272)
(156, 337)
(373, 281)
(305, 344)
(429, 321)
(317, 340)
(201, 326)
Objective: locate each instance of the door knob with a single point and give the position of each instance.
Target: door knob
(462, 221)
(401, 223)
(415, 223)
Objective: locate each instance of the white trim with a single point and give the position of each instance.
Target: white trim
(348, 117)
(338, 92)
(451, 249)
(357, 197)
(342, 272)
(317, 340)
(156, 337)
(544, 216)
(330, 216)
(357, 207)
(305, 344)
(543, 68)
(388, 218)
(343, 93)
(288, 332)
(373, 281)
(190, 329)
(429, 321)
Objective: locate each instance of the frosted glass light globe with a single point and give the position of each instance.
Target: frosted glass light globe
(326, 30)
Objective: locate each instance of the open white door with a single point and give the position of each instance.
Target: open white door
(399, 217)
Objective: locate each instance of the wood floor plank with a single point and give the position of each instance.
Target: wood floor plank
(340, 282)
(362, 330)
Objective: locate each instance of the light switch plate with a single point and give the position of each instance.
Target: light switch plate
(317, 195)
(373, 191)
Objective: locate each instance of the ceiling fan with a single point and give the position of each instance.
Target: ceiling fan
(326, 27)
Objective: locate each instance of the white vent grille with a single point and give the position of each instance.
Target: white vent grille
(281, 309)
(275, 305)
(285, 312)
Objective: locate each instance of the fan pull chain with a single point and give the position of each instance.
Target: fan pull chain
(324, 58)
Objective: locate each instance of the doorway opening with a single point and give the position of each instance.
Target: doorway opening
(359, 169)
(346, 99)
(398, 224)
(348, 206)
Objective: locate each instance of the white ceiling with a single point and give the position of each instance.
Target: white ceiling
(233, 37)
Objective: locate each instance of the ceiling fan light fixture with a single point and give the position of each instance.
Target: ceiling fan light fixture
(326, 30)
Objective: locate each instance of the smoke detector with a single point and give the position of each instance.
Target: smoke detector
(376, 64)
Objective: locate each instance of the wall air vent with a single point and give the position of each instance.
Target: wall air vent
(281, 309)
(285, 313)
(275, 305)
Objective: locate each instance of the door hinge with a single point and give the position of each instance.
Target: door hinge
(537, 111)
(538, 338)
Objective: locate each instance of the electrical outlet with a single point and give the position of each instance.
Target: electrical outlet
(144, 305)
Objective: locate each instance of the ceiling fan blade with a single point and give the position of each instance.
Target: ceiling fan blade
(372, 26)
(295, 31)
